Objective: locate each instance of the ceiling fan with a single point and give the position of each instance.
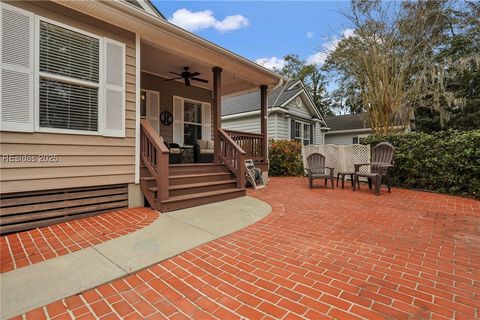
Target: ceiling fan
(187, 75)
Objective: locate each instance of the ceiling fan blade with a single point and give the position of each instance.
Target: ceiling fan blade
(178, 74)
(187, 82)
(201, 80)
(194, 74)
(174, 79)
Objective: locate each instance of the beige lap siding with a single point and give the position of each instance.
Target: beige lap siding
(84, 160)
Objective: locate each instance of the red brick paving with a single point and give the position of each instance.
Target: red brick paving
(29, 247)
(321, 254)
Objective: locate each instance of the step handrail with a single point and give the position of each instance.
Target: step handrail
(155, 156)
(233, 156)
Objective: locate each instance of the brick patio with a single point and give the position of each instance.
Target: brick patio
(37, 245)
(320, 254)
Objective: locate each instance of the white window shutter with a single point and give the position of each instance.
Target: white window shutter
(153, 110)
(178, 135)
(206, 121)
(16, 69)
(114, 115)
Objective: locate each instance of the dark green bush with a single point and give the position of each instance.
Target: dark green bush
(445, 161)
(285, 158)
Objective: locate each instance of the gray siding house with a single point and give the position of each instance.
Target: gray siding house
(291, 114)
(347, 129)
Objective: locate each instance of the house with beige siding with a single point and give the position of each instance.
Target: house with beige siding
(91, 117)
(292, 115)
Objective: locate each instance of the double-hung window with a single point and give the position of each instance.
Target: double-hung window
(60, 79)
(302, 132)
(192, 126)
(69, 79)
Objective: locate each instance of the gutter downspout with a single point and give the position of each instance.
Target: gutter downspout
(280, 82)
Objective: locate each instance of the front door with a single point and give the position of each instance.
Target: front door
(150, 108)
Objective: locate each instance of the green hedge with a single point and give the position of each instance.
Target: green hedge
(285, 158)
(445, 161)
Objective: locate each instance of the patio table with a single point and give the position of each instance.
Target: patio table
(186, 153)
(342, 175)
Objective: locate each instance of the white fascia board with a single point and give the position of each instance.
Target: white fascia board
(251, 113)
(349, 131)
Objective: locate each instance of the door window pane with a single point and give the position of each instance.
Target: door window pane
(143, 104)
(192, 133)
(192, 112)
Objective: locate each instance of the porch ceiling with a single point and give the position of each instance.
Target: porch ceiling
(160, 61)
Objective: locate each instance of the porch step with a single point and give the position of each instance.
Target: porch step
(197, 199)
(175, 180)
(186, 189)
(189, 168)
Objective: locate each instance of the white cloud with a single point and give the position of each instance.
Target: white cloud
(232, 23)
(271, 63)
(194, 21)
(317, 58)
(310, 34)
(329, 46)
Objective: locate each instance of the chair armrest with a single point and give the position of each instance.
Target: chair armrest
(383, 168)
(331, 170)
(359, 165)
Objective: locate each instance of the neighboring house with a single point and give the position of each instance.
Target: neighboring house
(86, 111)
(291, 114)
(347, 129)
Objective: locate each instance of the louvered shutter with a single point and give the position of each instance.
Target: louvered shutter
(16, 69)
(114, 116)
(292, 129)
(153, 110)
(206, 121)
(312, 126)
(178, 120)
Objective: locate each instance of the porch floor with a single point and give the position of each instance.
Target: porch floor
(320, 254)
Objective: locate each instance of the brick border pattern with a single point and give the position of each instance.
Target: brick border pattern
(28, 247)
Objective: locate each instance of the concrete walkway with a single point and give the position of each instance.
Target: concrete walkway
(172, 233)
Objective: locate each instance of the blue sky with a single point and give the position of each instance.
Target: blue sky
(266, 29)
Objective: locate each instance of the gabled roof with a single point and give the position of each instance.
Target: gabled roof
(251, 101)
(147, 6)
(349, 122)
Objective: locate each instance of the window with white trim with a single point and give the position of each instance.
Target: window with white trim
(65, 80)
(69, 81)
(192, 122)
(302, 132)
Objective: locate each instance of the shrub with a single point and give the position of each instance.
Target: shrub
(285, 158)
(445, 161)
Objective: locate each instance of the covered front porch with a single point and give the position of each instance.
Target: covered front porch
(186, 158)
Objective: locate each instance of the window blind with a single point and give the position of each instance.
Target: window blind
(68, 53)
(68, 106)
(67, 102)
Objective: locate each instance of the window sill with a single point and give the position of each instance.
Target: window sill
(65, 131)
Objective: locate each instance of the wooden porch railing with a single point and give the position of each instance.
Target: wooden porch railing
(154, 154)
(233, 156)
(251, 143)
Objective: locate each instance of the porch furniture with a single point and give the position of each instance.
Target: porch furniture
(204, 151)
(382, 158)
(254, 175)
(343, 175)
(175, 154)
(317, 169)
(186, 154)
